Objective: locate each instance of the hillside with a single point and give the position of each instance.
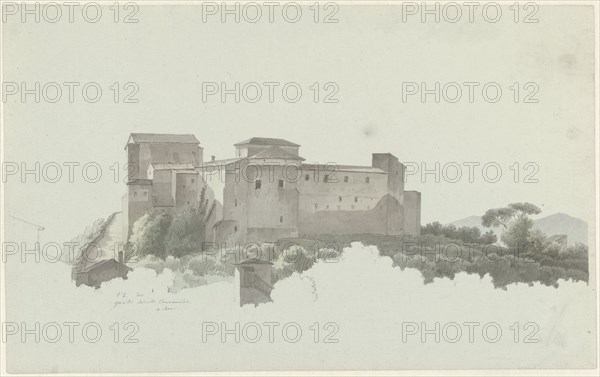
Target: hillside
(558, 223)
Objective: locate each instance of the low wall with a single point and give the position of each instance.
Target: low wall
(374, 220)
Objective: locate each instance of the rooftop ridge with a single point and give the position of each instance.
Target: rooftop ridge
(266, 141)
(161, 138)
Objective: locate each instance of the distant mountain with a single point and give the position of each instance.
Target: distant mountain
(558, 223)
(475, 221)
(470, 221)
(561, 223)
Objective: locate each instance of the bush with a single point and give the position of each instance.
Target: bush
(295, 258)
(543, 262)
(207, 264)
(463, 233)
(149, 234)
(163, 235)
(185, 233)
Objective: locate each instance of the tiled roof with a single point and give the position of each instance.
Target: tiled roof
(349, 168)
(267, 141)
(104, 262)
(276, 152)
(171, 166)
(163, 138)
(212, 164)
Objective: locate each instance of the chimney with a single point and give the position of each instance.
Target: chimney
(120, 257)
(212, 158)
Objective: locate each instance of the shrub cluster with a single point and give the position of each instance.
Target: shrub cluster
(463, 233)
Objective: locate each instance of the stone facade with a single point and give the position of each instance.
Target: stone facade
(412, 210)
(268, 192)
(163, 176)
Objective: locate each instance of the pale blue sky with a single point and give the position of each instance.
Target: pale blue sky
(369, 54)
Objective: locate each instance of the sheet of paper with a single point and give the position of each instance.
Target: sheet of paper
(299, 187)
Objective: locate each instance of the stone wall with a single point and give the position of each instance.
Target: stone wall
(412, 208)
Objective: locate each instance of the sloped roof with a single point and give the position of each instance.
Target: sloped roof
(348, 168)
(267, 141)
(186, 171)
(276, 152)
(212, 164)
(162, 138)
(104, 262)
(254, 261)
(171, 166)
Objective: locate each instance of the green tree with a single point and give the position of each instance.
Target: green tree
(517, 234)
(434, 228)
(489, 238)
(537, 241)
(504, 216)
(185, 234)
(514, 218)
(149, 232)
(463, 233)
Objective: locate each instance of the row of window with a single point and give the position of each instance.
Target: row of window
(326, 178)
(235, 228)
(281, 182)
(258, 184)
(235, 201)
(339, 207)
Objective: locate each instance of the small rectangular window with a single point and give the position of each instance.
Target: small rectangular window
(281, 183)
(367, 179)
(307, 177)
(316, 206)
(235, 228)
(257, 184)
(235, 202)
(346, 179)
(339, 198)
(281, 219)
(356, 199)
(326, 178)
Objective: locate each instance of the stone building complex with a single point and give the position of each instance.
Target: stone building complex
(267, 192)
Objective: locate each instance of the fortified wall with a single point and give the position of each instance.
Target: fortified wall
(268, 192)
